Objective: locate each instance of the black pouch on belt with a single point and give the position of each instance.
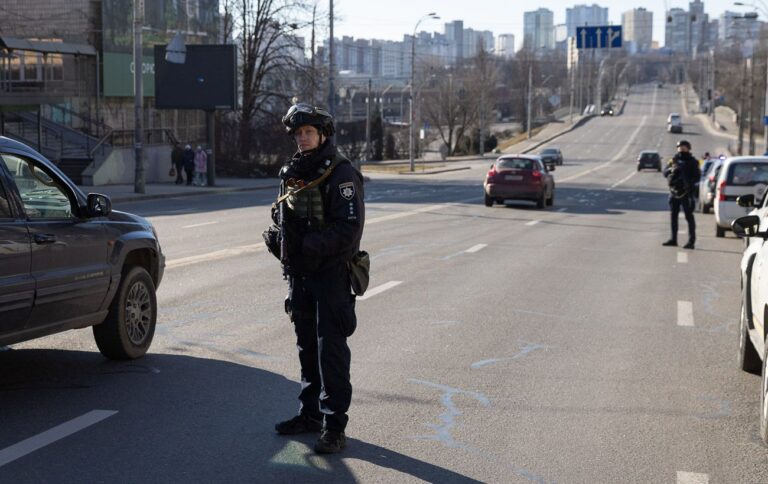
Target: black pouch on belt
(359, 272)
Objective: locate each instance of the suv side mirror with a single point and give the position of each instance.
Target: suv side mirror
(746, 226)
(746, 201)
(99, 205)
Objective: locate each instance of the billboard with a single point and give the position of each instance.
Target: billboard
(206, 80)
(197, 20)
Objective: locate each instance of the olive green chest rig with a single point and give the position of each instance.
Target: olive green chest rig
(304, 200)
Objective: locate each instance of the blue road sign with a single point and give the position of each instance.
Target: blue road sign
(600, 37)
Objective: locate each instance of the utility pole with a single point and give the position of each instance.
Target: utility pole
(313, 72)
(368, 102)
(530, 96)
(740, 145)
(138, 97)
(765, 109)
(331, 67)
(751, 108)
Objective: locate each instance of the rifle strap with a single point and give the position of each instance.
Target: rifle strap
(309, 185)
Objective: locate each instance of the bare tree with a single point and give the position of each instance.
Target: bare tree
(271, 59)
(448, 102)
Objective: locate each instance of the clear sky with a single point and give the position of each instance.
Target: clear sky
(390, 19)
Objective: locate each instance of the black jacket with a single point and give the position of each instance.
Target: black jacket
(338, 240)
(685, 167)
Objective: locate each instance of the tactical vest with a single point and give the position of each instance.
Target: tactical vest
(308, 203)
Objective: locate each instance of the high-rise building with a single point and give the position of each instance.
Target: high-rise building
(677, 33)
(637, 26)
(539, 30)
(737, 30)
(583, 16)
(454, 35)
(505, 45)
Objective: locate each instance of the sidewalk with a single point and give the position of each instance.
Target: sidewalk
(153, 191)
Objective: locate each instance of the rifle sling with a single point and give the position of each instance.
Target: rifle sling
(309, 185)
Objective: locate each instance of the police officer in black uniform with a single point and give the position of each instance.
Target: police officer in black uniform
(320, 229)
(682, 173)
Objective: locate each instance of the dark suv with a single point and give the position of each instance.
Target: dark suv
(68, 261)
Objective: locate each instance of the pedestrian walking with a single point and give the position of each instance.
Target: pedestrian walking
(177, 162)
(319, 218)
(201, 166)
(189, 163)
(682, 173)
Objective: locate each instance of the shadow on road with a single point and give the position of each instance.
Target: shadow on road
(179, 419)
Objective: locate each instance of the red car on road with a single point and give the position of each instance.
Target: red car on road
(519, 177)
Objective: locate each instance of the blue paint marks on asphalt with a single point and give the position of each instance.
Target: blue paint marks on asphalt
(448, 417)
(527, 348)
(448, 422)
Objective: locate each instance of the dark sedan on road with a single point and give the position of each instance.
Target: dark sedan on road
(606, 111)
(551, 156)
(519, 177)
(67, 261)
(649, 159)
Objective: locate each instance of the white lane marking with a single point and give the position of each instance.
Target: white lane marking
(199, 225)
(430, 208)
(684, 313)
(692, 478)
(682, 258)
(621, 181)
(562, 209)
(476, 248)
(215, 255)
(618, 156)
(27, 446)
(532, 223)
(379, 289)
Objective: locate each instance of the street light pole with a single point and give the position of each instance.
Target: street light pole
(138, 97)
(412, 120)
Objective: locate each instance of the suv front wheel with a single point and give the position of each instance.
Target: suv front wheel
(127, 331)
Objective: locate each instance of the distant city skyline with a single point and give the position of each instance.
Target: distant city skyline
(393, 19)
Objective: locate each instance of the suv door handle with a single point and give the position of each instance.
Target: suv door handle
(44, 238)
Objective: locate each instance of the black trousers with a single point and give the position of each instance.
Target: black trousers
(190, 171)
(322, 309)
(687, 204)
(179, 168)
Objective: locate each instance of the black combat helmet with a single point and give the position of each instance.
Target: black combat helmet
(685, 143)
(303, 114)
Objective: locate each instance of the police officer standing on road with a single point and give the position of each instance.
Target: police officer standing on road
(682, 173)
(319, 216)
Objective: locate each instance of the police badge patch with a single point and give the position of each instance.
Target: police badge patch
(347, 190)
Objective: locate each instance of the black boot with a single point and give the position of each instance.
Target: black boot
(689, 245)
(670, 243)
(330, 442)
(300, 424)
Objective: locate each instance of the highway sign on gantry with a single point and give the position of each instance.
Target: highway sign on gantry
(601, 37)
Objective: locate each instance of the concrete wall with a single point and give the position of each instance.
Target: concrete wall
(119, 167)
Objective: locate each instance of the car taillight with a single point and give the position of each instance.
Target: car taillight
(491, 174)
(721, 191)
(536, 175)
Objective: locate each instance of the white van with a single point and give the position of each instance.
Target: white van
(675, 123)
(740, 175)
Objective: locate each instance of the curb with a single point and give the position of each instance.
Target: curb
(575, 125)
(140, 198)
(433, 172)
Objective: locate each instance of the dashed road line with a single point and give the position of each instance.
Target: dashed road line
(215, 255)
(682, 258)
(476, 248)
(379, 289)
(532, 223)
(430, 208)
(621, 181)
(27, 446)
(199, 225)
(692, 478)
(685, 313)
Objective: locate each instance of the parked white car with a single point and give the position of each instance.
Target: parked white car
(754, 297)
(739, 175)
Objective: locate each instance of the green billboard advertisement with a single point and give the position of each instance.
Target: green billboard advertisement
(197, 20)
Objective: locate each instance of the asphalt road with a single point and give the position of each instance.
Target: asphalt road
(503, 344)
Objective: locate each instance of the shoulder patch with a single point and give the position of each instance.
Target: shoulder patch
(347, 190)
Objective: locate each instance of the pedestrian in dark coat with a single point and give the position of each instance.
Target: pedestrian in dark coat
(189, 163)
(177, 159)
